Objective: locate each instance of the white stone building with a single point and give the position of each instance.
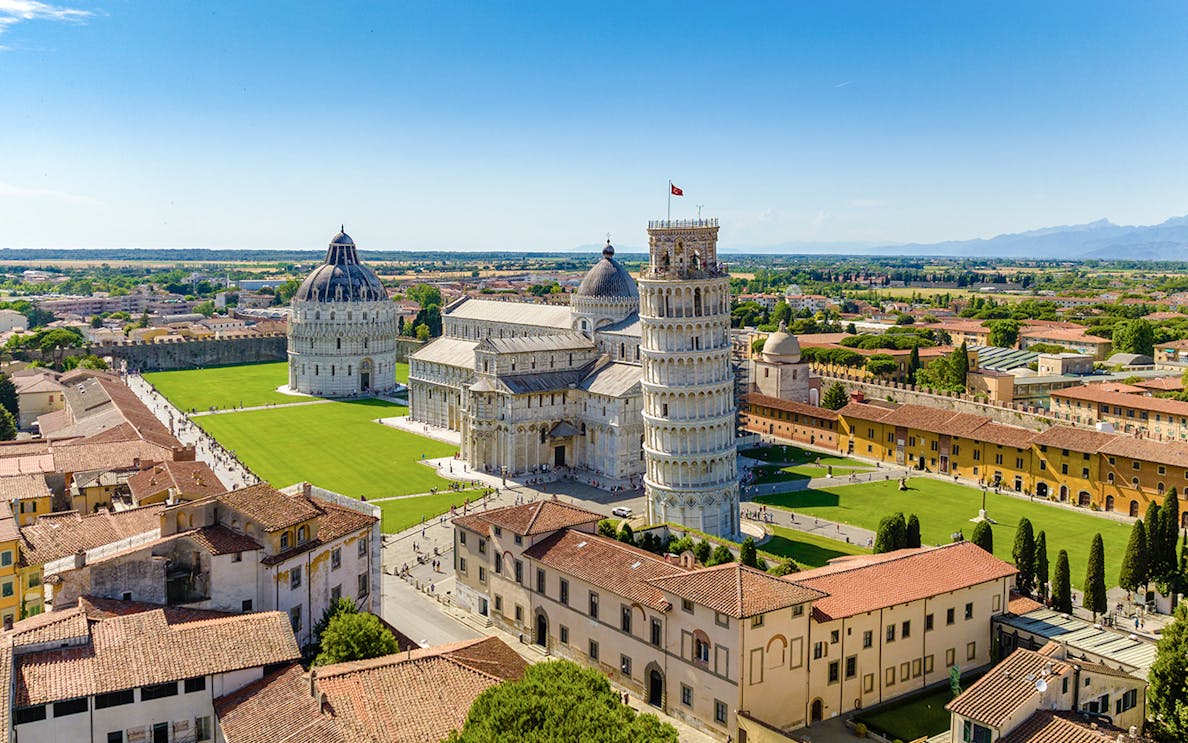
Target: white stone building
(342, 328)
(688, 382)
(536, 387)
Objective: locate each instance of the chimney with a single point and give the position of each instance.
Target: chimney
(313, 683)
(80, 559)
(688, 561)
(306, 489)
(857, 396)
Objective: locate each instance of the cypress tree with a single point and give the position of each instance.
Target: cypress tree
(1168, 692)
(1171, 531)
(983, 536)
(1062, 585)
(960, 364)
(1041, 565)
(899, 530)
(912, 538)
(1134, 563)
(747, 554)
(913, 363)
(1024, 553)
(1154, 525)
(1095, 589)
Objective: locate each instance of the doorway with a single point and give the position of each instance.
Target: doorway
(365, 381)
(161, 732)
(817, 711)
(656, 689)
(542, 629)
(559, 456)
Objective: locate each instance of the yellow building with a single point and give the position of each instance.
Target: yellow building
(19, 583)
(1067, 465)
(28, 495)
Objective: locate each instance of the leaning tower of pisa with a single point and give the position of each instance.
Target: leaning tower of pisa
(688, 382)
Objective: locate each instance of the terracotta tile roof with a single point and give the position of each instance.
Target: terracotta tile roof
(146, 648)
(1180, 344)
(792, 406)
(529, 519)
(1094, 394)
(1020, 605)
(60, 534)
(394, 698)
(606, 563)
(878, 581)
(24, 486)
(932, 420)
(736, 590)
(1162, 384)
(1074, 439)
(1174, 453)
(80, 455)
(997, 696)
(219, 540)
(186, 478)
(1065, 727)
(997, 433)
(865, 411)
(1062, 334)
(270, 507)
(334, 522)
(5, 683)
(50, 627)
(23, 448)
(98, 608)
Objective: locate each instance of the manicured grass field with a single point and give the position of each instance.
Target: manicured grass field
(809, 550)
(917, 717)
(335, 445)
(774, 473)
(794, 455)
(224, 387)
(402, 513)
(944, 508)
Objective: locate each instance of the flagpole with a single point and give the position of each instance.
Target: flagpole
(669, 201)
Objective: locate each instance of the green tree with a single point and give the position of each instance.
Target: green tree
(881, 364)
(1134, 336)
(206, 308)
(891, 534)
(8, 396)
(983, 536)
(422, 332)
(702, 552)
(835, 398)
(851, 329)
(786, 566)
(1062, 585)
(1094, 598)
(355, 637)
(558, 702)
(1023, 552)
(781, 313)
(8, 427)
(914, 364)
(606, 527)
(960, 364)
(1155, 551)
(424, 295)
(720, 556)
(1168, 692)
(626, 535)
(97, 321)
(747, 554)
(1170, 512)
(1041, 565)
(342, 606)
(911, 536)
(1134, 564)
(1003, 333)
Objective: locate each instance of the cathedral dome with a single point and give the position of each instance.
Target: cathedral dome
(608, 280)
(782, 346)
(341, 277)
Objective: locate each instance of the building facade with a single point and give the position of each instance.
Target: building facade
(342, 328)
(688, 380)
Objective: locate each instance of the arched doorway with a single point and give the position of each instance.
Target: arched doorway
(817, 711)
(365, 370)
(1041, 489)
(1083, 499)
(1063, 493)
(1134, 509)
(1109, 503)
(655, 687)
(542, 629)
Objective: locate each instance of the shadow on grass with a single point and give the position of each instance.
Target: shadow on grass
(801, 499)
(809, 555)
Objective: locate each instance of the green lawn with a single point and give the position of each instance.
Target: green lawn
(765, 474)
(809, 550)
(916, 717)
(224, 386)
(405, 512)
(335, 445)
(945, 507)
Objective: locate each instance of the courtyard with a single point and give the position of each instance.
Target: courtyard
(945, 508)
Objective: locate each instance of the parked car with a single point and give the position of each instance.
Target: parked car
(622, 512)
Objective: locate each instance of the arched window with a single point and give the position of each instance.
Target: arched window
(544, 434)
(338, 344)
(300, 534)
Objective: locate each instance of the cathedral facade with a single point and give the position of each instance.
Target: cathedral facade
(342, 328)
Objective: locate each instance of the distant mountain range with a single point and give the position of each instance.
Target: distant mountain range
(1101, 240)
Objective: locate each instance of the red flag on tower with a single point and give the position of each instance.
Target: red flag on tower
(675, 191)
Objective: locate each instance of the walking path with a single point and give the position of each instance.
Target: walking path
(269, 406)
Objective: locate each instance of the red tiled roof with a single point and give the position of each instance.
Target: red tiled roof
(334, 522)
(529, 519)
(1065, 727)
(997, 433)
(1074, 439)
(1174, 453)
(276, 707)
(865, 412)
(57, 535)
(736, 590)
(993, 699)
(270, 507)
(878, 581)
(792, 406)
(606, 563)
(1095, 394)
(23, 486)
(186, 478)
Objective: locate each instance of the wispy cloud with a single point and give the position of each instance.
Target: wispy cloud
(13, 12)
(842, 85)
(10, 191)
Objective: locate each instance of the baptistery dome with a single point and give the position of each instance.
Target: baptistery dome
(782, 346)
(608, 279)
(341, 277)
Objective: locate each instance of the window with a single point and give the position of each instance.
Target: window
(482, 574)
(336, 593)
(295, 578)
(625, 665)
(540, 581)
(1127, 701)
(928, 623)
(498, 563)
(950, 657)
(687, 605)
(701, 650)
(462, 564)
(6, 589)
(461, 537)
(719, 712)
(889, 676)
(890, 633)
(519, 539)
(818, 650)
(158, 691)
(116, 736)
(202, 728)
(906, 630)
(798, 610)
(336, 558)
(363, 547)
(498, 603)
(834, 672)
(21, 715)
(6, 558)
(520, 572)
(851, 666)
(198, 683)
(928, 664)
(71, 707)
(969, 610)
(686, 695)
(625, 618)
(722, 620)
(593, 604)
(301, 532)
(246, 605)
(482, 546)
(834, 637)
(867, 638)
(971, 732)
(237, 557)
(295, 618)
(949, 616)
(498, 531)
(656, 632)
(519, 614)
(284, 542)
(593, 650)
(971, 650)
(114, 699)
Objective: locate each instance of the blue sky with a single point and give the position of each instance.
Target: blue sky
(541, 126)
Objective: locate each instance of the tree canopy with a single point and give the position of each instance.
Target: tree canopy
(1094, 598)
(1024, 555)
(983, 536)
(1134, 336)
(355, 636)
(1062, 585)
(1134, 564)
(835, 397)
(558, 702)
(1168, 693)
